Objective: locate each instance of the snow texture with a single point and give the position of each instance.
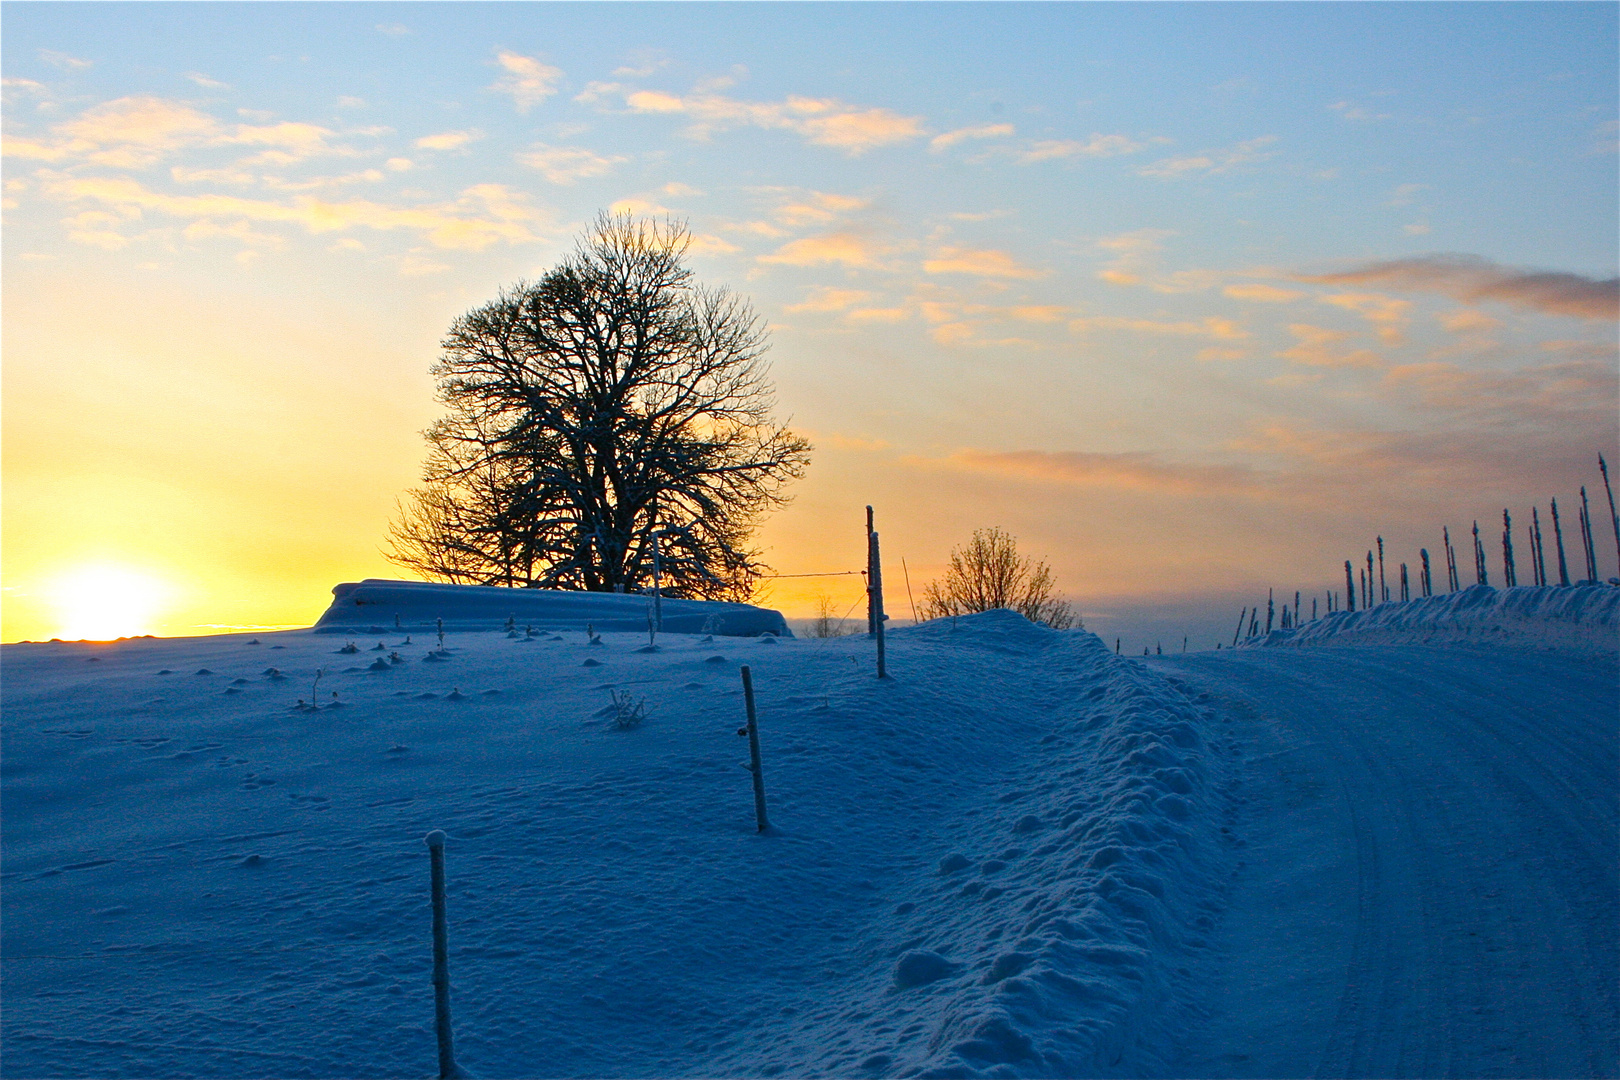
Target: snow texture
(1021, 855)
(378, 606)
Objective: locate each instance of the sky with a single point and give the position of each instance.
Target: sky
(1194, 300)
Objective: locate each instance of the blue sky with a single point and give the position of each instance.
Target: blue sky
(1188, 297)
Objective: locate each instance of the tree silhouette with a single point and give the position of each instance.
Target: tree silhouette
(610, 410)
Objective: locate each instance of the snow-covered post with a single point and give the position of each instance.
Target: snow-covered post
(1540, 553)
(1510, 574)
(1367, 600)
(1244, 614)
(1479, 558)
(1614, 518)
(1427, 580)
(441, 960)
(1383, 589)
(1349, 586)
(755, 766)
(877, 606)
(658, 586)
(1270, 610)
(1587, 532)
(1558, 541)
(871, 617)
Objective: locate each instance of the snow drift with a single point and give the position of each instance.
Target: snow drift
(377, 606)
(1584, 617)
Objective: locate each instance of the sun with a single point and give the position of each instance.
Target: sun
(104, 601)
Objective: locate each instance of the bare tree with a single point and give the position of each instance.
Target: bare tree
(608, 409)
(988, 574)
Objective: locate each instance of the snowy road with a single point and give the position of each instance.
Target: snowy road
(1427, 880)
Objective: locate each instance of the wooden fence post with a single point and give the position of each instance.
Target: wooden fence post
(755, 765)
(441, 960)
(871, 619)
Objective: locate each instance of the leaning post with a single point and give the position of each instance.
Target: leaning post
(441, 960)
(755, 765)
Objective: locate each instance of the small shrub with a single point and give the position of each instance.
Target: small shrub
(628, 711)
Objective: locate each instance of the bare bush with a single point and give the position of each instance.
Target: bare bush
(987, 574)
(827, 623)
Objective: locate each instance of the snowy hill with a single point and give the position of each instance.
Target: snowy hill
(1021, 855)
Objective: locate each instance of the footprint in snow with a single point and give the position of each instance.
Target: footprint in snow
(591, 661)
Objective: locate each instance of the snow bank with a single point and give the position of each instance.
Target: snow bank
(999, 861)
(1582, 617)
(378, 605)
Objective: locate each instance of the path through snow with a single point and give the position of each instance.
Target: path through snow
(1429, 883)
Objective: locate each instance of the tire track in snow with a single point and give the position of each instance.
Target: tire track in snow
(1474, 794)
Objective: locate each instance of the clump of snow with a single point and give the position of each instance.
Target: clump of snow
(378, 606)
(1582, 617)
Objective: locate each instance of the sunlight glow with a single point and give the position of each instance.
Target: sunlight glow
(103, 602)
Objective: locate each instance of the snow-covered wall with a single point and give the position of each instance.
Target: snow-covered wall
(1582, 617)
(377, 604)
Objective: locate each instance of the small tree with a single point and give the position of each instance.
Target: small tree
(610, 400)
(988, 574)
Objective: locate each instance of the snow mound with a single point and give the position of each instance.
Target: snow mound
(376, 605)
(1583, 617)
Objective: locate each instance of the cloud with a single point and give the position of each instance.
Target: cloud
(983, 131)
(707, 244)
(1386, 314)
(801, 208)
(132, 132)
(1405, 194)
(135, 132)
(1215, 161)
(203, 80)
(821, 121)
(828, 299)
(567, 164)
(1467, 321)
(1099, 146)
(1313, 349)
(1265, 294)
(847, 248)
(1473, 279)
(64, 61)
(448, 140)
(1133, 253)
(989, 263)
(885, 315)
(1349, 110)
(1127, 471)
(678, 189)
(1219, 329)
(484, 214)
(528, 80)
(393, 29)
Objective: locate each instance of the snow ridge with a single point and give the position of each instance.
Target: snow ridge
(1089, 887)
(1582, 617)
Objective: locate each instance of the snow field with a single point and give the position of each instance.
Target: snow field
(999, 862)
